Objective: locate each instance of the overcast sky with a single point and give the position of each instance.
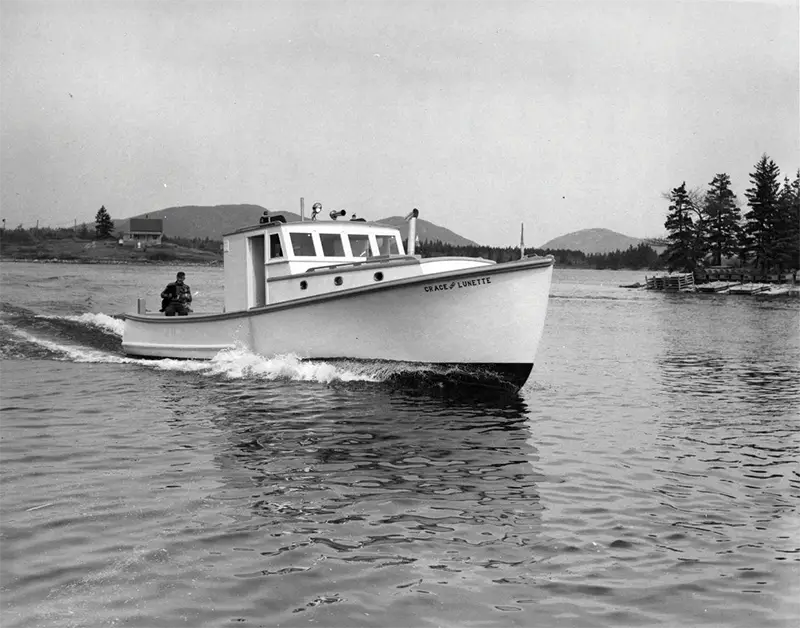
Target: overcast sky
(563, 115)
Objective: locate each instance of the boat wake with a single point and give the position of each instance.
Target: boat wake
(109, 324)
(628, 296)
(97, 338)
(25, 334)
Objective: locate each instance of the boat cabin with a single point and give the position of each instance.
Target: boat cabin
(280, 261)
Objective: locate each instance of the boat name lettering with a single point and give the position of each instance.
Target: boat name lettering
(455, 285)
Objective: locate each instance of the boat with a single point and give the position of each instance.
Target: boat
(348, 289)
(718, 287)
(749, 288)
(774, 291)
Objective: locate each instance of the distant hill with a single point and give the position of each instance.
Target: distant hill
(427, 231)
(204, 221)
(593, 241)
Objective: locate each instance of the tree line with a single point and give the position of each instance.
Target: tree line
(103, 228)
(641, 256)
(703, 228)
(635, 257)
(707, 227)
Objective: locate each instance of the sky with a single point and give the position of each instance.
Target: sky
(561, 115)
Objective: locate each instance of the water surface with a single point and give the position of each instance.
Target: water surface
(647, 473)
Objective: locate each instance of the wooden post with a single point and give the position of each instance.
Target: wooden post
(140, 306)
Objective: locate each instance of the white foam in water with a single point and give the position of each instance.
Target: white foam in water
(238, 363)
(103, 321)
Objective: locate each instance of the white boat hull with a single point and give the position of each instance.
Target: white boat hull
(490, 315)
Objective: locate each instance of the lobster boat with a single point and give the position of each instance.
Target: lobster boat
(347, 289)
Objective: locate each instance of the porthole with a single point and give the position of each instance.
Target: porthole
(303, 285)
(337, 281)
(378, 276)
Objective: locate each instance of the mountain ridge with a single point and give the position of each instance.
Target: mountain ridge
(596, 240)
(213, 221)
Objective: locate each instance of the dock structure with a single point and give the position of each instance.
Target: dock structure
(673, 282)
(726, 281)
(745, 275)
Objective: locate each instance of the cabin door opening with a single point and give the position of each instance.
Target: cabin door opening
(256, 277)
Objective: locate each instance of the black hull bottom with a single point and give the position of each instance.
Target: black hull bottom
(509, 376)
(492, 376)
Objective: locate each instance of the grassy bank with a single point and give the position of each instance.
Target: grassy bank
(104, 252)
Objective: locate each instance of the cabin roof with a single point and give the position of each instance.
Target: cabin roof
(354, 225)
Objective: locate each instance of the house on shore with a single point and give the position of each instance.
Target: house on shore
(144, 232)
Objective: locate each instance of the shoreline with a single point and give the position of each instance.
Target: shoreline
(110, 261)
(220, 263)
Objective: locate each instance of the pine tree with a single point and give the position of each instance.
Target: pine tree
(787, 240)
(722, 218)
(682, 238)
(103, 223)
(763, 219)
(745, 244)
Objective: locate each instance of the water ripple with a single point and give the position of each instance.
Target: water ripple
(646, 475)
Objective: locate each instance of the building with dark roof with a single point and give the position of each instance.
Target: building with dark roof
(145, 232)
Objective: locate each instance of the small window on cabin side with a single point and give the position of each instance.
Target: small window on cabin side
(302, 244)
(275, 249)
(332, 244)
(387, 245)
(359, 244)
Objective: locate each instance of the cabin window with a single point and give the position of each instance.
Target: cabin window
(359, 245)
(332, 244)
(387, 245)
(275, 249)
(302, 244)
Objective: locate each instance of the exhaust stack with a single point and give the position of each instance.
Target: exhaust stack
(412, 230)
